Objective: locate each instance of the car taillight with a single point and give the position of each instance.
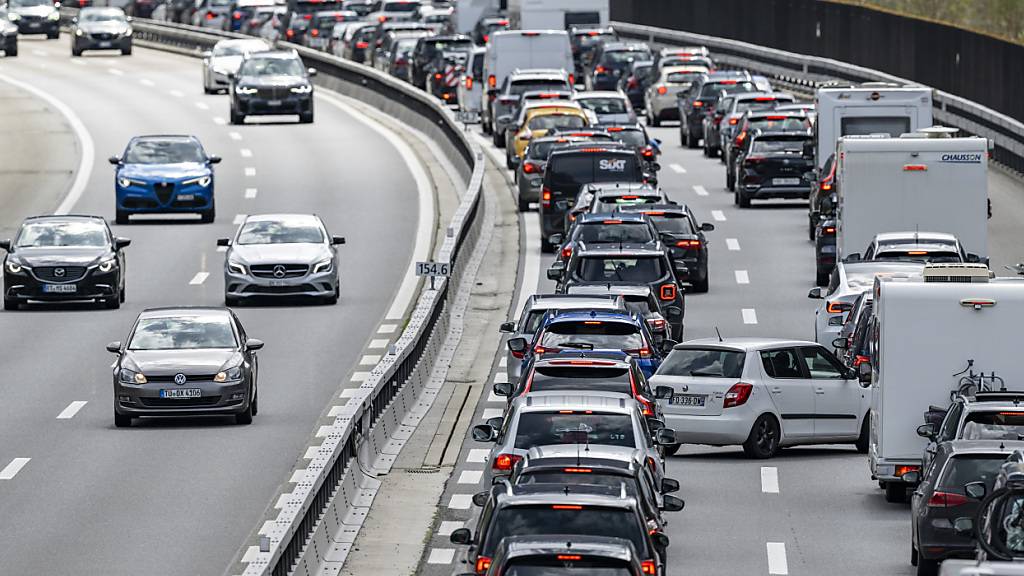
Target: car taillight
(308, 17)
(361, 45)
(698, 104)
(688, 244)
(648, 152)
(946, 500)
(289, 33)
(836, 307)
(733, 121)
(643, 352)
(469, 82)
(829, 230)
(648, 567)
(572, 79)
(858, 360)
(717, 119)
(236, 15)
(662, 90)
(210, 15)
(751, 160)
(314, 32)
(600, 70)
(505, 462)
(656, 323)
(901, 470)
(667, 292)
(483, 563)
(545, 197)
(737, 395)
(486, 38)
(437, 76)
(826, 186)
(741, 137)
(631, 83)
(567, 252)
(492, 81)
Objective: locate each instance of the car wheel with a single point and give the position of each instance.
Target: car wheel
(763, 441)
(12, 50)
(862, 440)
(256, 402)
(508, 158)
(926, 567)
(671, 449)
(10, 304)
(524, 206)
(810, 228)
(53, 35)
(896, 492)
(207, 216)
(655, 121)
(121, 217)
(245, 417)
(237, 118)
(112, 303)
(546, 247)
(730, 180)
(121, 295)
(122, 420)
(702, 286)
(306, 118)
(126, 50)
(75, 50)
(913, 555)
(499, 141)
(821, 277)
(744, 200)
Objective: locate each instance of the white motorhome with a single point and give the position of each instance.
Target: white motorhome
(911, 183)
(469, 12)
(557, 14)
(869, 108)
(927, 335)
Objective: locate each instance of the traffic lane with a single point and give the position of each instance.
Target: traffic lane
(306, 345)
(1004, 226)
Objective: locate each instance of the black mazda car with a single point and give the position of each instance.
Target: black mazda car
(185, 361)
(272, 83)
(62, 258)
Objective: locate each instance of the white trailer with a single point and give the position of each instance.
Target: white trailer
(926, 332)
(469, 12)
(557, 14)
(911, 183)
(869, 108)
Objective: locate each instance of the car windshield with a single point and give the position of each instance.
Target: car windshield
(548, 566)
(237, 48)
(280, 232)
(615, 232)
(638, 270)
(101, 16)
(549, 121)
(183, 332)
(271, 67)
(55, 234)
(777, 147)
(592, 335)
(519, 88)
(681, 77)
(177, 151)
(918, 256)
(672, 224)
(964, 468)
(779, 123)
(604, 105)
(706, 362)
(619, 57)
(603, 379)
(401, 6)
(568, 520)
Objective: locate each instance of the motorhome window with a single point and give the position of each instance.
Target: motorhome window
(862, 125)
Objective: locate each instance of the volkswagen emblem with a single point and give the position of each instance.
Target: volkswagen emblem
(179, 378)
(59, 272)
(279, 271)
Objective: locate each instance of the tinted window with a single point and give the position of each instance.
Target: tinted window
(555, 567)
(540, 150)
(964, 468)
(641, 270)
(613, 203)
(183, 332)
(549, 121)
(401, 6)
(597, 336)
(673, 224)
(55, 234)
(620, 57)
(478, 67)
(681, 77)
(604, 105)
(633, 138)
(271, 67)
(280, 232)
(518, 88)
(573, 378)
(777, 147)
(709, 363)
(543, 429)
(1001, 425)
(779, 123)
(164, 152)
(820, 364)
(781, 364)
(627, 232)
(590, 521)
(754, 105)
(101, 16)
(575, 170)
(918, 256)
(712, 89)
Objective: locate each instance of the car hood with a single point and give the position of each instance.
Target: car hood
(280, 253)
(199, 362)
(41, 11)
(227, 63)
(54, 256)
(270, 81)
(165, 171)
(104, 27)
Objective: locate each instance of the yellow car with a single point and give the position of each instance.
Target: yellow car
(536, 120)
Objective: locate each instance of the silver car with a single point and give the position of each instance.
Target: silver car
(224, 60)
(281, 255)
(660, 97)
(606, 107)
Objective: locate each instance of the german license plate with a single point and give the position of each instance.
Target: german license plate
(181, 393)
(786, 181)
(273, 102)
(34, 25)
(106, 44)
(60, 288)
(278, 283)
(186, 196)
(688, 400)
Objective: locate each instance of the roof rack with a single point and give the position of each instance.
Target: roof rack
(957, 272)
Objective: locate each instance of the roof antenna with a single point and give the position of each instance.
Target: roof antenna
(719, 334)
(577, 454)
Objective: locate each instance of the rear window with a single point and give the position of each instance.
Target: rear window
(1001, 425)
(672, 224)
(618, 57)
(593, 336)
(540, 150)
(626, 233)
(681, 77)
(604, 105)
(430, 48)
(709, 363)
(552, 566)
(780, 123)
(571, 521)
(639, 270)
(633, 138)
(556, 476)
(603, 379)
(755, 105)
(550, 428)
(549, 121)
(400, 6)
(523, 86)
(639, 304)
(613, 203)
(478, 67)
(777, 147)
(575, 170)
(918, 256)
(966, 468)
(730, 86)
(893, 126)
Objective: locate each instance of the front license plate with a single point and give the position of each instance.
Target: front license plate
(106, 44)
(688, 400)
(181, 393)
(273, 102)
(278, 283)
(186, 196)
(786, 181)
(60, 288)
(34, 25)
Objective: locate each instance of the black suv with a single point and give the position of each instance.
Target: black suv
(426, 51)
(751, 122)
(611, 60)
(699, 101)
(584, 41)
(774, 165)
(684, 238)
(271, 83)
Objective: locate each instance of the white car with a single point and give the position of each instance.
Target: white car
(606, 107)
(660, 97)
(470, 88)
(760, 393)
(848, 281)
(224, 60)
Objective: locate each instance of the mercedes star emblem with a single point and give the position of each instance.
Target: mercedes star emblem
(59, 272)
(279, 271)
(179, 378)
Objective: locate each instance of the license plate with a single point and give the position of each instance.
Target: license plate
(106, 44)
(60, 288)
(688, 400)
(186, 196)
(181, 393)
(278, 283)
(273, 102)
(786, 181)
(34, 25)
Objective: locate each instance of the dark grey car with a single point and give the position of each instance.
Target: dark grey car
(101, 29)
(272, 83)
(35, 17)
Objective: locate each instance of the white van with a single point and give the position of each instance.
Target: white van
(558, 14)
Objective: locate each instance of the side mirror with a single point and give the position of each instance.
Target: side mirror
(480, 498)
(502, 389)
(854, 257)
(864, 374)
(337, 240)
(461, 536)
(115, 160)
(973, 258)
(815, 293)
(707, 227)
(214, 159)
(114, 347)
(964, 527)
(223, 241)
(810, 176)
(672, 504)
(5, 245)
(556, 270)
(976, 489)
(926, 431)
(913, 477)
(669, 485)
(841, 343)
(665, 437)
(663, 392)
(667, 345)
(517, 345)
(484, 433)
(121, 243)
(253, 344)
(311, 71)
(556, 239)
(495, 422)
(660, 540)
(507, 327)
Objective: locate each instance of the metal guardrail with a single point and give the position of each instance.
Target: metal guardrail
(378, 407)
(804, 74)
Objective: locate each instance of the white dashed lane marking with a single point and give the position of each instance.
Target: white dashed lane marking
(71, 410)
(12, 469)
(147, 82)
(503, 362)
(357, 377)
(115, 71)
(470, 476)
(202, 105)
(441, 556)
(378, 343)
(501, 378)
(718, 215)
(677, 168)
(477, 455)
(234, 136)
(749, 316)
(80, 62)
(250, 171)
(732, 244)
(769, 480)
(492, 413)
(700, 190)
(199, 278)
(177, 93)
(250, 193)
(239, 218)
(460, 501)
(219, 121)
(245, 152)
(777, 558)
(742, 277)
(369, 359)
(387, 328)
(448, 526)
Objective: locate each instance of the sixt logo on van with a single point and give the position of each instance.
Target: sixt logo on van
(964, 158)
(613, 165)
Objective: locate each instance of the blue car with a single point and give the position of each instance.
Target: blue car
(164, 175)
(594, 330)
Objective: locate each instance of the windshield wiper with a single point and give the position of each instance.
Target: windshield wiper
(577, 345)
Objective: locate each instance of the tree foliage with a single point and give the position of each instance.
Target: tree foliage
(1003, 18)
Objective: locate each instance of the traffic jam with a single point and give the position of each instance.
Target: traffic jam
(912, 357)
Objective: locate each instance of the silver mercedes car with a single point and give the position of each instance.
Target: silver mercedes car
(224, 59)
(281, 255)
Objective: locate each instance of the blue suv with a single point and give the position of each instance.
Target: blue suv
(164, 175)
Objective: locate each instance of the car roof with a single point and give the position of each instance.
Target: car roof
(568, 301)
(597, 355)
(762, 114)
(616, 192)
(273, 217)
(593, 147)
(165, 138)
(581, 362)
(598, 94)
(651, 208)
(537, 74)
(554, 544)
(631, 46)
(1006, 447)
(593, 315)
(275, 54)
(594, 400)
(581, 494)
(915, 237)
(171, 311)
(65, 218)
(745, 343)
(782, 134)
(639, 250)
(611, 455)
(595, 187)
(602, 217)
(694, 68)
(988, 400)
(616, 289)
(741, 96)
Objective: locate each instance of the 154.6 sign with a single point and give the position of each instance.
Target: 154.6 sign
(433, 269)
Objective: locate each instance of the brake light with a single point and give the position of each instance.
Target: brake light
(567, 252)
(775, 117)
(698, 104)
(572, 79)
(631, 83)
(727, 82)
(236, 15)
(545, 197)
(487, 37)
(592, 150)
(688, 244)
(648, 152)
(741, 137)
(667, 292)
(530, 168)
(314, 32)
(308, 17)
(600, 69)
(469, 82)
(483, 563)
(502, 22)
(764, 99)
(751, 160)
(737, 395)
(492, 81)
(828, 230)
(569, 557)
(826, 186)
(614, 129)
(382, 18)
(505, 462)
(836, 307)
(530, 34)
(566, 507)
(360, 45)
(915, 168)
(917, 252)
(946, 500)
(662, 90)
(289, 33)
(210, 15)
(437, 76)
(648, 567)
(656, 323)
(858, 360)
(901, 470)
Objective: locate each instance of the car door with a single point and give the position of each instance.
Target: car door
(839, 403)
(790, 391)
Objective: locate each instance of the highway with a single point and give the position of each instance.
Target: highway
(175, 497)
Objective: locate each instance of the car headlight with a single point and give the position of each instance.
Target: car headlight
(127, 376)
(126, 182)
(230, 374)
(13, 267)
(107, 265)
(236, 267)
(14, 17)
(302, 89)
(202, 181)
(323, 266)
(245, 90)
(128, 32)
(79, 33)
(54, 15)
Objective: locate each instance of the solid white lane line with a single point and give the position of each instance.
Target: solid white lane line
(718, 215)
(531, 259)
(234, 135)
(677, 168)
(387, 328)
(115, 71)
(250, 193)
(425, 208)
(769, 480)
(12, 469)
(749, 316)
(85, 161)
(177, 93)
(71, 410)
(441, 556)
(470, 476)
(492, 413)
(199, 278)
(219, 121)
(378, 343)
(460, 501)
(239, 218)
(732, 244)
(742, 277)
(250, 171)
(477, 455)
(369, 359)
(202, 105)
(147, 82)
(448, 526)
(245, 152)
(777, 558)
(700, 190)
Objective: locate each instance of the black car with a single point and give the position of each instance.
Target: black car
(684, 238)
(583, 42)
(635, 82)
(487, 26)
(61, 258)
(728, 111)
(821, 195)
(611, 61)
(699, 99)
(636, 135)
(185, 361)
(426, 51)
(8, 35)
(604, 228)
(751, 122)
(35, 17)
(853, 346)
(101, 29)
(773, 165)
(825, 250)
(358, 42)
(569, 169)
(530, 172)
(272, 83)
